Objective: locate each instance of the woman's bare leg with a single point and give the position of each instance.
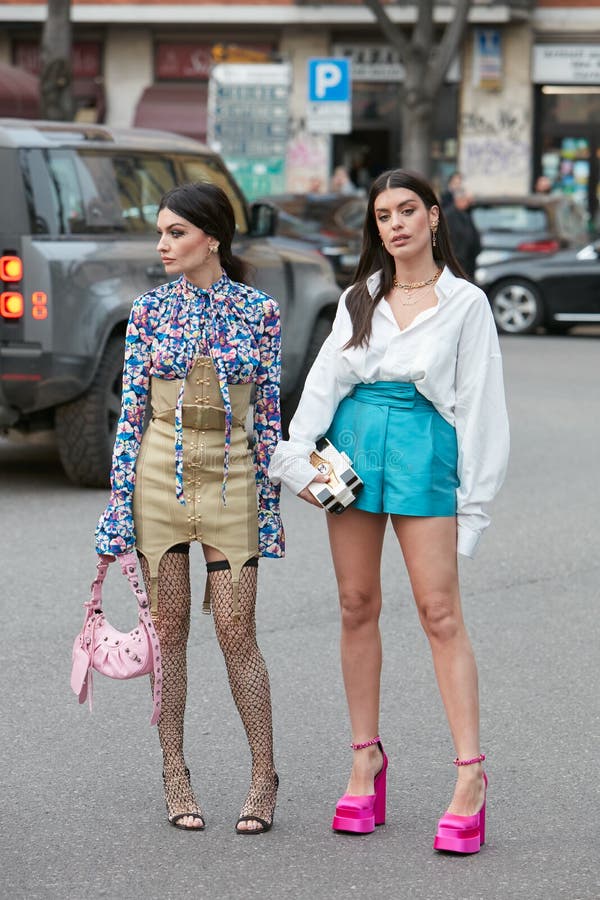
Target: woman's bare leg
(429, 549)
(356, 540)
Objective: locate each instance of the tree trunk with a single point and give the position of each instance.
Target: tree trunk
(417, 127)
(426, 63)
(55, 76)
(416, 113)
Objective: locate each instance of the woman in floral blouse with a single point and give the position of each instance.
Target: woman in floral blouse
(197, 346)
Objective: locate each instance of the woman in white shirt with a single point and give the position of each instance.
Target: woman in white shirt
(409, 384)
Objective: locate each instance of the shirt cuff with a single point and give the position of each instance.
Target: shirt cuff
(115, 532)
(468, 541)
(294, 470)
(271, 536)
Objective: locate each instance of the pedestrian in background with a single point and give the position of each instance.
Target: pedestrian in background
(453, 184)
(408, 384)
(359, 170)
(543, 185)
(464, 236)
(196, 347)
(341, 183)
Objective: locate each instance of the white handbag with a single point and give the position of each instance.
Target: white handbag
(340, 492)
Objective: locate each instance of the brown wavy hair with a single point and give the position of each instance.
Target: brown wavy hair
(207, 207)
(374, 256)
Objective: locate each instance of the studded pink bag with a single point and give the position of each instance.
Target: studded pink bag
(100, 647)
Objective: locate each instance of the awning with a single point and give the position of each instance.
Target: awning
(19, 93)
(180, 108)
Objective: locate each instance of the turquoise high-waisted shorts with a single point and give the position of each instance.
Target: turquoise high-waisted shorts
(402, 448)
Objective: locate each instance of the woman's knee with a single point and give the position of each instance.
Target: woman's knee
(359, 607)
(172, 628)
(440, 615)
(234, 634)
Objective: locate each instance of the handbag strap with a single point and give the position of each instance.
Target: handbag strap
(128, 562)
(95, 601)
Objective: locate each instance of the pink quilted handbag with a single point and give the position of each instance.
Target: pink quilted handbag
(101, 647)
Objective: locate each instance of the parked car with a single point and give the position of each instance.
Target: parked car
(330, 222)
(77, 245)
(527, 225)
(558, 291)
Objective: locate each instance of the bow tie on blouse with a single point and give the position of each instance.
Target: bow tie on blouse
(197, 320)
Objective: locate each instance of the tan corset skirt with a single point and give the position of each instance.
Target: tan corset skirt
(161, 521)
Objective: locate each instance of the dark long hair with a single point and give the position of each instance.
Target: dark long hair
(207, 207)
(374, 256)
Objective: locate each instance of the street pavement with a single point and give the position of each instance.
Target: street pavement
(81, 808)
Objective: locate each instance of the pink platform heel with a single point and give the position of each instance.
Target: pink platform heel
(360, 814)
(463, 834)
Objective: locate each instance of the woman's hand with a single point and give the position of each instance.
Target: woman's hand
(305, 494)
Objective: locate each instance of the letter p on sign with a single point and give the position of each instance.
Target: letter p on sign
(328, 76)
(328, 80)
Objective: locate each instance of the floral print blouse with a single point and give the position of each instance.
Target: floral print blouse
(236, 325)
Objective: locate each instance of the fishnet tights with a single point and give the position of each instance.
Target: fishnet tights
(249, 682)
(172, 625)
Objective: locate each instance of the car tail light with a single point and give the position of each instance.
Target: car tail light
(39, 308)
(547, 246)
(12, 305)
(11, 268)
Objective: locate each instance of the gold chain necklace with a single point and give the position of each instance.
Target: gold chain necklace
(414, 286)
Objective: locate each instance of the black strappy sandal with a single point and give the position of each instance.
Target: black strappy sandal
(265, 825)
(174, 820)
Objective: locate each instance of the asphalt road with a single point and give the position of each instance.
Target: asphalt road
(81, 808)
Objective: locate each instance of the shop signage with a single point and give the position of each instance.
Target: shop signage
(182, 61)
(487, 59)
(329, 107)
(193, 62)
(248, 120)
(566, 64)
(380, 62)
(85, 60)
(372, 62)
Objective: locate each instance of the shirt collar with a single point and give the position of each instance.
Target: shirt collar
(192, 290)
(444, 286)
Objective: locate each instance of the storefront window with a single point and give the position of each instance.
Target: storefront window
(568, 142)
(374, 102)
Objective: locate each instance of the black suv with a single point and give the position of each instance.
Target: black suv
(77, 245)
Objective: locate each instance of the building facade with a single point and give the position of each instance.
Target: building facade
(565, 75)
(521, 99)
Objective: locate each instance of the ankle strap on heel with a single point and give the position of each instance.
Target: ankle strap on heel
(469, 762)
(371, 743)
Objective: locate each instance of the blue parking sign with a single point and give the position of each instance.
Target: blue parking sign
(329, 80)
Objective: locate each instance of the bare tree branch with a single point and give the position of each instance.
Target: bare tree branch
(394, 34)
(451, 40)
(426, 63)
(422, 42)
(422, 37)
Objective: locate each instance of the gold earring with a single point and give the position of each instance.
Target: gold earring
(434, 229)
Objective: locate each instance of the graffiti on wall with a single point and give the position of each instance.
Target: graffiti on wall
(493, 157)
(496, 143)
(307, 162)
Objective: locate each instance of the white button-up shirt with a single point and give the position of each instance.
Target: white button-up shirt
(451, 353)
